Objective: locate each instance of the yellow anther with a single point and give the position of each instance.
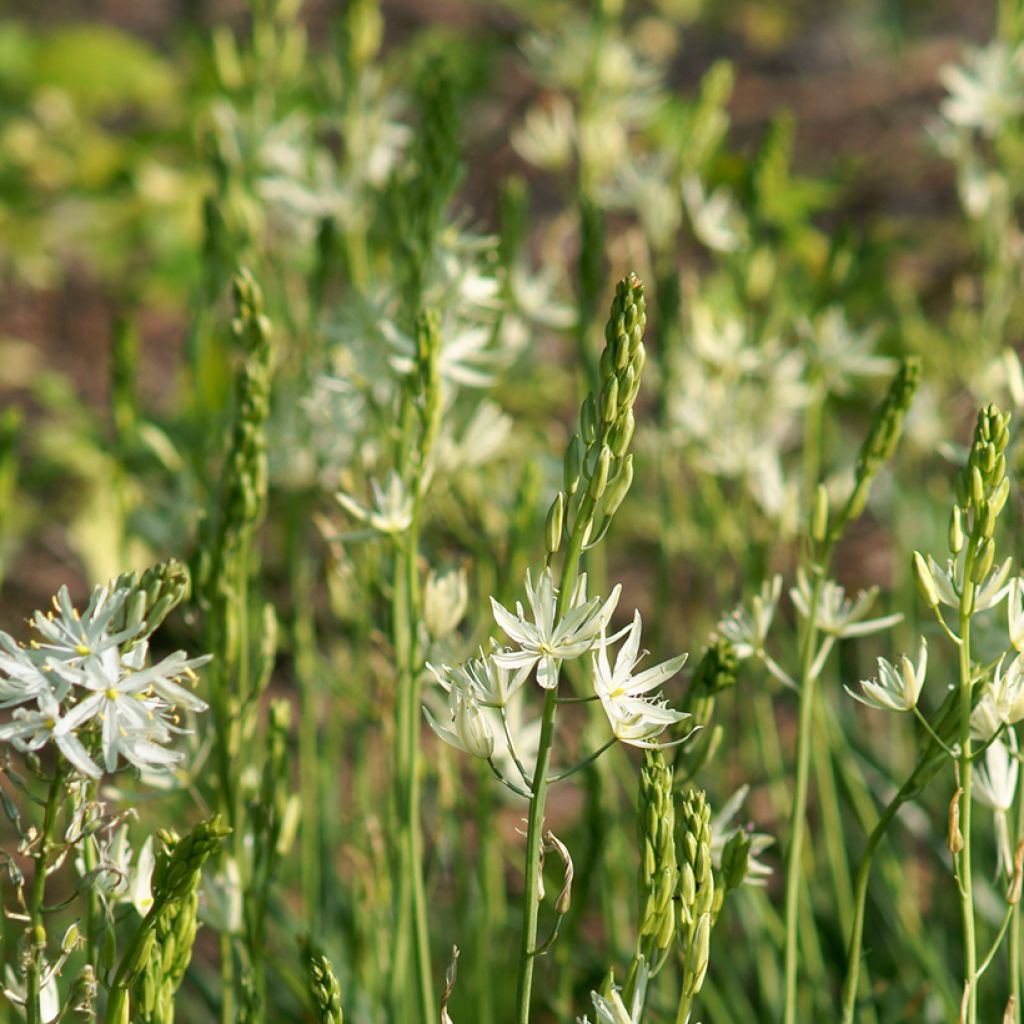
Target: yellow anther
(83, 650)
(112, 694)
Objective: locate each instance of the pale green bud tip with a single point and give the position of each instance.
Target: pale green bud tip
(187, 858)
(571, 465)
(555, 523)
(819, 514)
(956, 531)
(925, 581)
(599, 481)
(619, 487)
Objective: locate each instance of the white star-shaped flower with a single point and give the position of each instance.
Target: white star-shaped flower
(636, 717)
(545, 642)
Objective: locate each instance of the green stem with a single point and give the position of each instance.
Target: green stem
(38, 891)
(412, 891)
(966, 886)
(683, 1012)
(852, 980)
(797, 821)
(1015, 925)
(535, 826)
(531, 903)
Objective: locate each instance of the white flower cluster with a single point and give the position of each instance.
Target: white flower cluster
(85, 686)
(481, 715)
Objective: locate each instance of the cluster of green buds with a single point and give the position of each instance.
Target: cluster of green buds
(982, 488)
(161, 949)
(175, 934)
(696, 889)
(154, 595)
(877, 449)
(659, 873)
(246, 470)
(598, 467)
(323, 986)
(716, 672)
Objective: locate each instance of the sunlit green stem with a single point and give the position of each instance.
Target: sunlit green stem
(36, 893)
(861, 879)
(535, 826)
(797, 821)
(411, 887)
(964, 869)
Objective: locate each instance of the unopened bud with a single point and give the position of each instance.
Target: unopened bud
(554, 524)
(819, 515)
(977, 486)
(956, 531)
(622, 434)
(588, 420)
(925, 581)
(571, 465)
(610, 400)
(983, 560)
(619, 487)
(599, 481)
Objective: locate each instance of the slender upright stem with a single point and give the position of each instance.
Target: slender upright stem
(411, 888)
(36, 894)
(531, 901)
(965, 879)
(861, 879)
(804, 742)
(1015, 925)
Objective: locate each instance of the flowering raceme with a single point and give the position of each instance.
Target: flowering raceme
(86, 687)
(541, 642)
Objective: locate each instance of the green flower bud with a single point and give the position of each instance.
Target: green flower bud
(819, 514)
(925, 581)
(599, 481)
(622, 434)
(619, 487)
(956, 533)
(984, 558)
(610, 400)
(554, 524)
(571, 465)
